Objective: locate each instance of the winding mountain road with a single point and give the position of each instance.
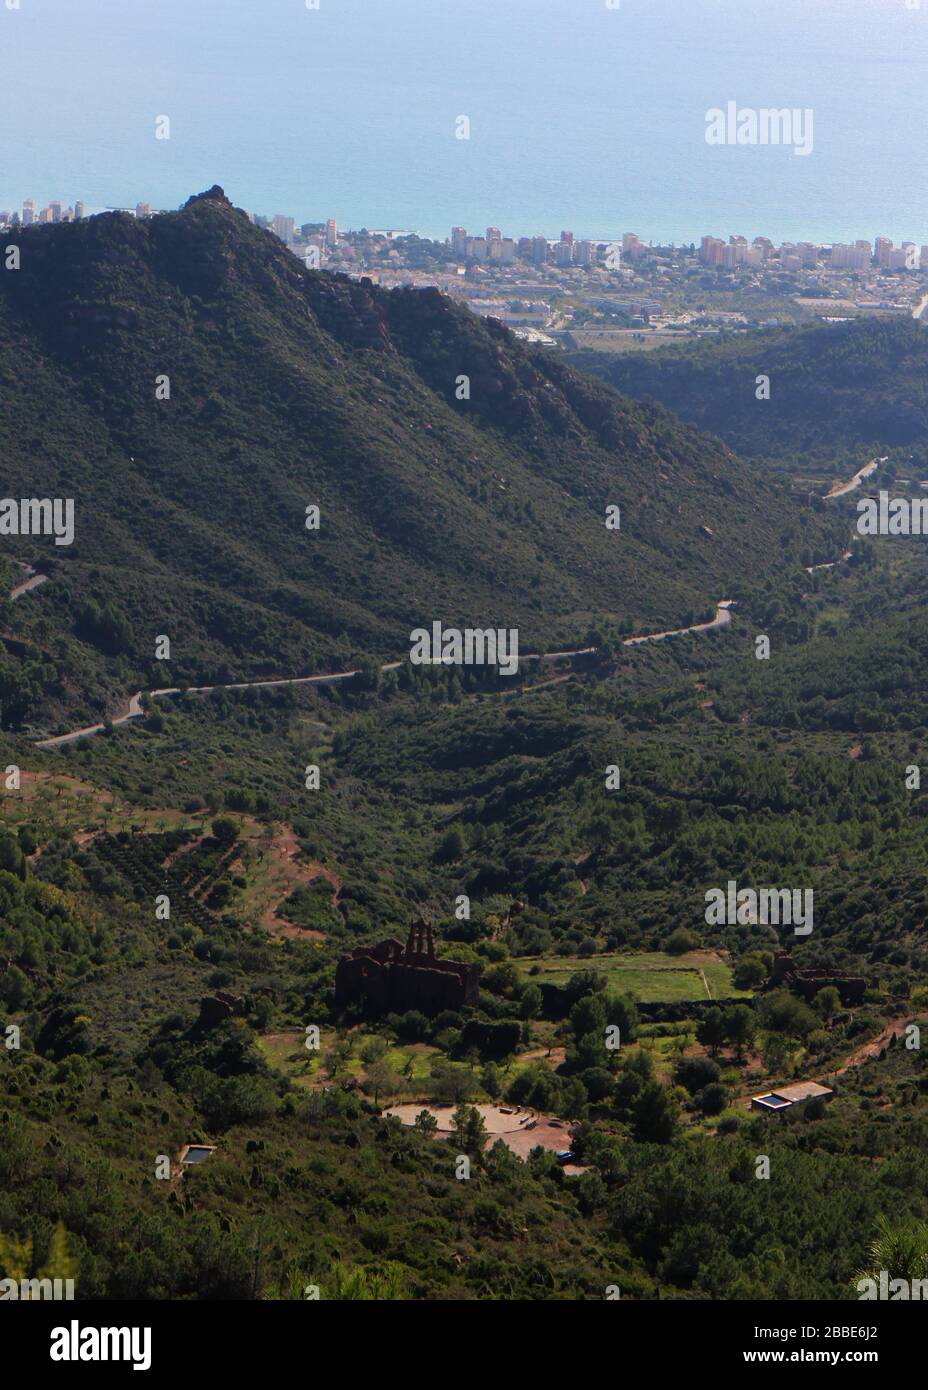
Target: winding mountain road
(830, 564)
(32, 581)
(722, 619)
(134, 709)
(876, 1046)
(841, 489)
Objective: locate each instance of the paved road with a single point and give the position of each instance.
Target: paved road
(134, 710)
(722, 619)
(840, 489)
(830, 564)
(32, 582)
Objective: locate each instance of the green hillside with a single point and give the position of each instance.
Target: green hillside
(429, 791)
(838, 392)
(483, 802)
(291, 388)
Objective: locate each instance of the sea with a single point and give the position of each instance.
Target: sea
(581, 115)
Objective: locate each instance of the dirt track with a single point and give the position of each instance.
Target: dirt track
(876, 1045)
(861, 1054)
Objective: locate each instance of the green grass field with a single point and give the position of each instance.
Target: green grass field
(651, 976)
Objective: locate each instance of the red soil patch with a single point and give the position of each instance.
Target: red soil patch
(290, 929)
(547, 1133)
(520, 1130)
(298, 875)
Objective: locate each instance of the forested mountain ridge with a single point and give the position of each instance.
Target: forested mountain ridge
(838, 392)
(291, 388)
(141, 1033)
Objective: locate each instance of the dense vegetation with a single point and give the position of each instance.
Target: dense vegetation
(291, 389)
(839, 392)
(131, 1033)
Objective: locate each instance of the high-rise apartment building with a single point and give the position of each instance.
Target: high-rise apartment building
(710, 251)
(856, 257)
(904, 257)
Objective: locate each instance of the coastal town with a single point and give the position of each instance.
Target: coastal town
(626, 294)
(609, 294)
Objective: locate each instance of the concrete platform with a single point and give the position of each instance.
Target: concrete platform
(520, 1130)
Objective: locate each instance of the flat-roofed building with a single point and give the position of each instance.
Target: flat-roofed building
(773, 1102)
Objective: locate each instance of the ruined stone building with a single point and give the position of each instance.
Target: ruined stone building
(808, 982)
(216, 1008)
(391, 977)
